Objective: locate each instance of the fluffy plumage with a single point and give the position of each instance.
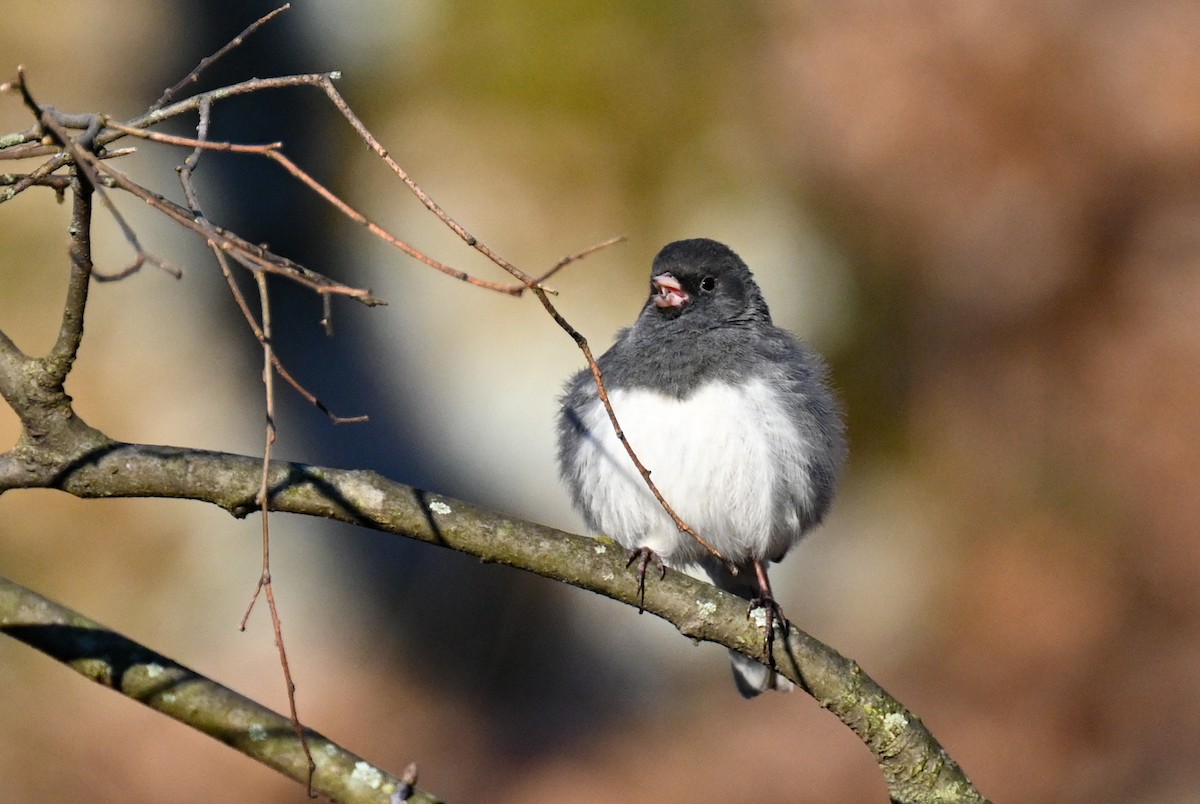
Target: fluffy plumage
(731, 414)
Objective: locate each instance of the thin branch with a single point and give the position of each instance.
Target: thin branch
(164, 685)
(86, 162)
(579, 255)
(199, 144)
(189, 192)
(70, 333)
(240, 300)
(262, 500)
(17, 147)
(207, 61)
(40, 173)
(193, 160)
(271, 151)
(23, 87)
(192, 103)
(376, 146)
(246, 253)
(582, 343)
(356, 216)
(263, 334)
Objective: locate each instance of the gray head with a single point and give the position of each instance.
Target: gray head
(705, 318)
(704, 284)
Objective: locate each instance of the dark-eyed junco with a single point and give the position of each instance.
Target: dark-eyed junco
(731, 415)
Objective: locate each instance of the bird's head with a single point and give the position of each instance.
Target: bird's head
(703, 282)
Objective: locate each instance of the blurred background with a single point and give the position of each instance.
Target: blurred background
(986, 215)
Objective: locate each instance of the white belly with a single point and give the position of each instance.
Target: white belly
(728, 460)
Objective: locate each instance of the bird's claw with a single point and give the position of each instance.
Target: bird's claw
(644, 557)
(774, 617)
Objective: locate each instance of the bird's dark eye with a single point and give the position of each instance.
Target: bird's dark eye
(708, 283)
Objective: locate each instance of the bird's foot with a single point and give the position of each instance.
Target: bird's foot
(644, 557)
(774, 614)
(774, 618)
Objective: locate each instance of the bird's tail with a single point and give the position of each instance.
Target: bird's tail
(751, 677)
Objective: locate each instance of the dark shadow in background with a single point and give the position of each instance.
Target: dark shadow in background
(490, 634)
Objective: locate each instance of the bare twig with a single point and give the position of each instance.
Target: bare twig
(38, 175)
(356, 216)
(579, 255)
(189, 165)
(86, 162)
(58, 183)
(189, 192)
(23, 87)
(582, 343)
(430, 204)
(207, 61)
(200, 144)
(22, 146)
(244, 252)
(262, 500)
(192, 103)
(271, 151)
(240, 300)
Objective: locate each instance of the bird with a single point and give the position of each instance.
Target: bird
(734, 419)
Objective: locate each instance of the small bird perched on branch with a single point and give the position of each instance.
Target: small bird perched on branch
(734, 420)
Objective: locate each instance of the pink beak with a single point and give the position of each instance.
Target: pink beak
(669, 293)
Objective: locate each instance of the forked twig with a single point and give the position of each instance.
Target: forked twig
(245, 253)
(189, 192)
(207, 61)
(271, 151)
(579, 255)
(264, 584)
(376, 146)
(86, 162)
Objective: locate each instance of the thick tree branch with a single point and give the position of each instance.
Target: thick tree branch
(112, 660)
(915, 766)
